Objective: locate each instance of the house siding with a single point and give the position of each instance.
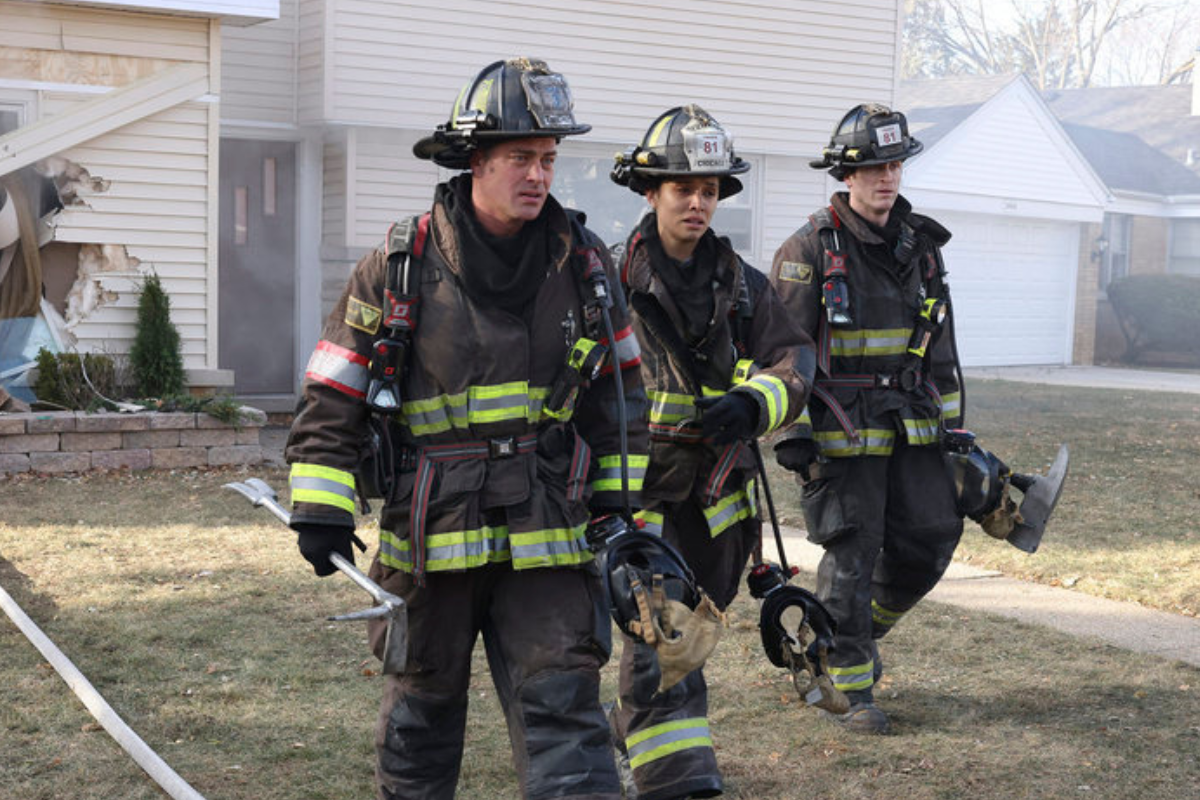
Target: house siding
(159, 196)
(258, 71)
(783, 72)
(992, 154)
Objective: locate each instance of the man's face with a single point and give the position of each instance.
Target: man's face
(685, 207)
(511, 182)
(873, 189)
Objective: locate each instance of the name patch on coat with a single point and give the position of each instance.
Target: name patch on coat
(363, 316)
(796, 272)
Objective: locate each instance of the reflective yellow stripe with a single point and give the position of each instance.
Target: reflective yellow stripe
(774, 392)
(731, 509)
(951, 404)
(921, 431)
(312, 483)
(651, 521)
(659, 741)
(742, 370)
(859, 676)
(459, 550)
(478, 405)
(883, 616)
(608, 478)
(868, 342)
(668, 408)
(872, 442)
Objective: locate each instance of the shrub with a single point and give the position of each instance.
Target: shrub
(1157, 312)
(75, 383)
(156, 357)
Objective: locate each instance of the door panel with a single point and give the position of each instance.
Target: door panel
(258, 265)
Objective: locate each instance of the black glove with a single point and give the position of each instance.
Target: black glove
(797, 455)
(728, 417)
(317, 542)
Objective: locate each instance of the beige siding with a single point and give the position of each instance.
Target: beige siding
(776, 73)
(258, 70)
(391, 184)
(156, 206)
(158, 197)
(312, 35)
(117, 33)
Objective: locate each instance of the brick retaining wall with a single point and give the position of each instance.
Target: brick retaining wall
(76, 441)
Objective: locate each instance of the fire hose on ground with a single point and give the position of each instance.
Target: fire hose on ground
(141, 753)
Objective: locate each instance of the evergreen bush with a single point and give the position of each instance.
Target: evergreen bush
(156, 357)
(1157, 312)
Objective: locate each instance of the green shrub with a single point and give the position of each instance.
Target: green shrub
(156, 357)
(1157, 312)
(61, 380)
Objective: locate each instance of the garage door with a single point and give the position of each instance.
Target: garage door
(1013, 286)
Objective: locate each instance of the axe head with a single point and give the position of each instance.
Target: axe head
(1040, 500)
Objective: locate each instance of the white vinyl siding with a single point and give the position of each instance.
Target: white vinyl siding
(312, 35)
(778, 74)
(1012, 152)
(389, 182)
(258, 71)
(158, 203)
(156, 206)
(232, 11)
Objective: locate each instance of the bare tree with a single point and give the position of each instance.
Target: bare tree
(1057, 43)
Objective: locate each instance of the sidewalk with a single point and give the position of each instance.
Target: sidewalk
(1125, 625)
(1098, 377)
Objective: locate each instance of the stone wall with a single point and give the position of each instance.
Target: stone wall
(76, 441)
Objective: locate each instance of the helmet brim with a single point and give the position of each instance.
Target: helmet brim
(642, 179)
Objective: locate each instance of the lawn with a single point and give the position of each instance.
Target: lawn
(197, 620)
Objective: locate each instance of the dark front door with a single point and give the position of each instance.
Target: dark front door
(258, 265)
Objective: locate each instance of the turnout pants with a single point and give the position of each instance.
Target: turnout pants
(889, 527)
(546, 633)
(666, 735)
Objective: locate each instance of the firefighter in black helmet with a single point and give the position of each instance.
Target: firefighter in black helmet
(722, 365)
(864, 278)
(505, 446)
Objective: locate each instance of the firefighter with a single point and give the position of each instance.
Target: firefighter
(722, 365)
(505, 442)
(864, 277)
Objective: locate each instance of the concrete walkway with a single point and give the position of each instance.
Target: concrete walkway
(1126, 625)
(1098, 377)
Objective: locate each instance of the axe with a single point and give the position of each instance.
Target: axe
(391, 608)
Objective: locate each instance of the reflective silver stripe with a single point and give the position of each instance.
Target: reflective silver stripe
(881, 342)
(660, 741)
(339, 367)
(550, 548)
(321, 485)
(669, 407)
(627, 348)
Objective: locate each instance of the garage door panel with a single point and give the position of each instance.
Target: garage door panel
(1012, 282)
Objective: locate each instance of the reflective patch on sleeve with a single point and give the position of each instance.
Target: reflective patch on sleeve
(796, 272)
(362, 316)
(336, 366)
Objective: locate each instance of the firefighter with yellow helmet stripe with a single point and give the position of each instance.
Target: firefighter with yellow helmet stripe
(722, 365)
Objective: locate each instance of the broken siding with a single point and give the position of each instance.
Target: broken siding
(156, 203)
(258, 71)
(156, 207)
(778, 74)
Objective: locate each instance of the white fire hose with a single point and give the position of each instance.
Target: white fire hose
(146, 758)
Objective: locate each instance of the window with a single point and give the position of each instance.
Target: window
(1113, 249)
(581, 180)
(1184, 255)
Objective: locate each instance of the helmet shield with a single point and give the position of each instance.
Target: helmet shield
(683, 142)
(513, 99)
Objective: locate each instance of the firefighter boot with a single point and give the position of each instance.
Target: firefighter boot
(864, 717)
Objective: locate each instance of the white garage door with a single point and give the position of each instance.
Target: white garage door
(1013, 286)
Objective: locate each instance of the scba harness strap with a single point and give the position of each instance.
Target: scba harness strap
(912, 245)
